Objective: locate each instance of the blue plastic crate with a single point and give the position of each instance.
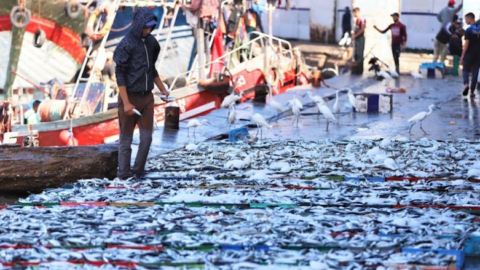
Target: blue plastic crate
(472, 246)
(238, 134)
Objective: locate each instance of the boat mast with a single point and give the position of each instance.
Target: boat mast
(14, 57)
(200, 38)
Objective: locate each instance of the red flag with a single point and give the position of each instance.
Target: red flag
(218, 50)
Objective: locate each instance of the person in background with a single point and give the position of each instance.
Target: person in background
(446, 14)
(358, 34)
(455, 47)
(135, 58)
(399, 38)
(443, 38)
(31, 116)
(108, 73)
(471, 54)
(346, 22)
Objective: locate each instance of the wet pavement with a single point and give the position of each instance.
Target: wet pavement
(454, 117)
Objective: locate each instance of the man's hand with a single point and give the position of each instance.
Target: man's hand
(404, 45)
(128, 108)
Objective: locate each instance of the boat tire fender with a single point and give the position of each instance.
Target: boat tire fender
(91, 26)
(16, 16)
(266, 75)
(69, 8)
(39, 38)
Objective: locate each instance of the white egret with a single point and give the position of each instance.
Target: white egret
(416, 76)
(336, 105)
(232, 98)
(277, 106)
(317, 99)
(296, 112)
(419, 117)
(385, 76)
(232, 116)
(194, 123)
(393, 72)
(351, 98)
(261, 123)
(323, 108)
(296, 107)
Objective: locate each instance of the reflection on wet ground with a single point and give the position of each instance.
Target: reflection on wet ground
(454, 117)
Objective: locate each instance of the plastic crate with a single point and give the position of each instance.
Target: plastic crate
(238, 134)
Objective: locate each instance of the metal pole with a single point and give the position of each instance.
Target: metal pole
(200, 36)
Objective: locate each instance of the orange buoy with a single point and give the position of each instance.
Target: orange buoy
(67, 138)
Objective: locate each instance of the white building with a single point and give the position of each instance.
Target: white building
(320, 20)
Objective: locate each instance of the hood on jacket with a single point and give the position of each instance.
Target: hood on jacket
(140, 18)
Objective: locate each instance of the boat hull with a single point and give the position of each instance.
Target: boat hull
(103, 127)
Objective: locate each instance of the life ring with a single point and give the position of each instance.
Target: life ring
(266, 76)
(94, 36)
(69, 8)
(39, 38)
(20, 18)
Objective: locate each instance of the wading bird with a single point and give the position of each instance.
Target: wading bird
(261, 123)
(275, 104)
(194, 123)
(351, 98)
(323, 108)
(393, 72)
(336, 105)
(419, 117)
(416, 76)
(232, 116)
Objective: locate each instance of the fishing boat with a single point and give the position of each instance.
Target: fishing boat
(87, 118)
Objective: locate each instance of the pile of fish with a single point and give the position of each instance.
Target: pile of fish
(269, 205)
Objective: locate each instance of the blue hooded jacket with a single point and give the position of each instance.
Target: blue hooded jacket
(135, 59)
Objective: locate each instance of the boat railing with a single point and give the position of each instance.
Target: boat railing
(226, 58)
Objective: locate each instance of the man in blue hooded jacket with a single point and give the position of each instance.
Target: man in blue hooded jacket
(135, 58)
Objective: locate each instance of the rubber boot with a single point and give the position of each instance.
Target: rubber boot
(456, 61)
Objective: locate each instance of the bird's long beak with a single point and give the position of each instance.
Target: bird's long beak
(304, 95)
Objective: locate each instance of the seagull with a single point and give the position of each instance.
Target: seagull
(351, 98)
(323, 108)
(232, 116)
(336, 106)
(261, 123)
(194, 123)
(419, 117)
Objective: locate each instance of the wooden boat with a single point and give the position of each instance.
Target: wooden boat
(264, 59)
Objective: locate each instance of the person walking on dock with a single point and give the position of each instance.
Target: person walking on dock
(399, 38)
(471, 54)
(135, 58)
(358, 34)
(347, 22)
